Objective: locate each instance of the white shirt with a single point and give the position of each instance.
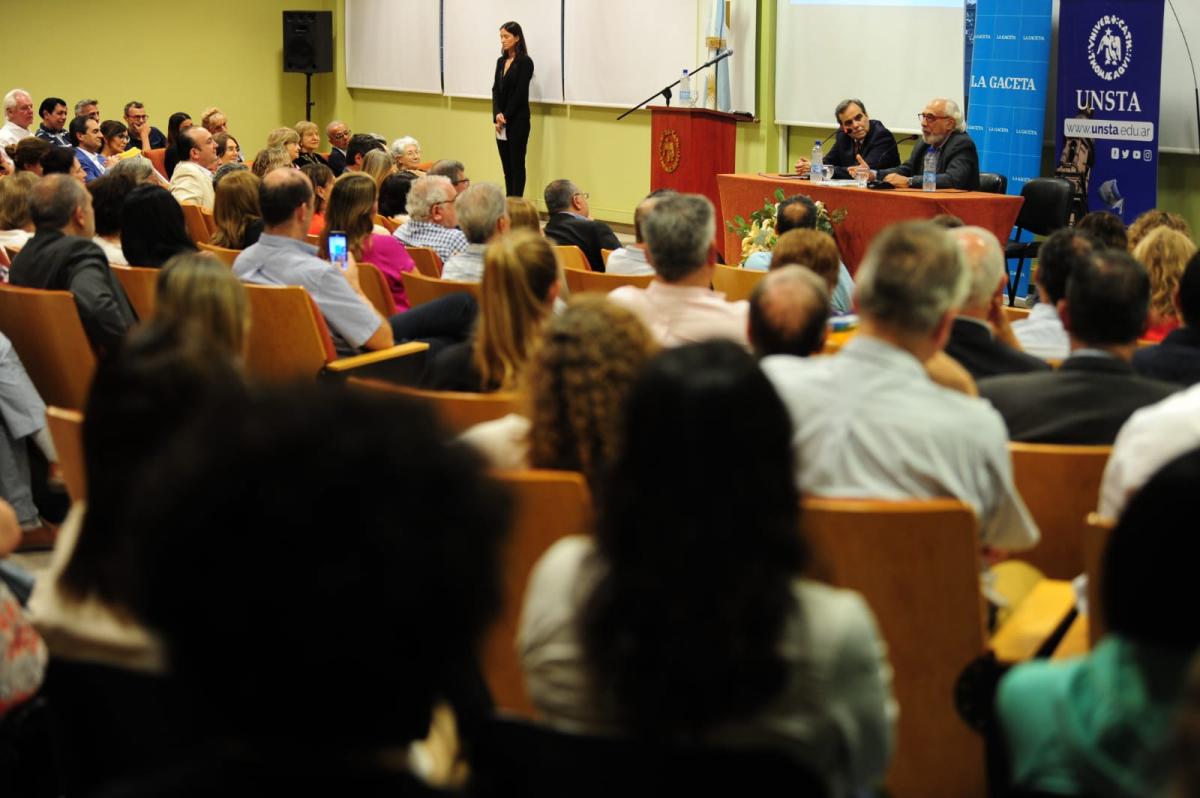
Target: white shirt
(1042, 333)
(869, 423)
(503, 442)
(114, 253)
(466, 266)
(628, 260)
(11, 133)
(1151, 438)
(191, 182)
(684, 314)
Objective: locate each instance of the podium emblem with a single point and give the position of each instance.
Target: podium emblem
(668, 150)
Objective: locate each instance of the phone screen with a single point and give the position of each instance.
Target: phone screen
(337, 249)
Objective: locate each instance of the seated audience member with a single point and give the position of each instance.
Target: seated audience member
(22, 653)
(1042, 334)
(570, 222)
(454, 171)
(577, 381)
(287, 138)
(200, 295)
(108, 198)
(227, 169)
(16, 226)
(235, 211)
(812, 249)
(981, 338)
(861, 141)
(52, 130)
(520, 284)
(393, 197)
(87, 142)
(271, 158)
(1151, 220)
(1177, 358)
(282, 257)
(57, 161)
(377, 165)
(1105, 227)
(360, 144)
(140, 169)
(1165, 253)
(22, 425)
(522, 214)
(62, 257)
(310, 140)
(666, 580)
(213, 120)
(192, 180)
(339, 139)
(351, 210)
(788, 311)
(28, 155)
(679, 306)
(387, 685)
(141, 133)
(321, 178)
(871, 423)
(1094, 391)
(18, 114)
(152, 227)
(1100, 724)
(482, 215)
(116, 139)
(228, 149)
(406, 155)
(88, 108)
(943, 131)
(432, 221)
(632, 259)
(177, 124)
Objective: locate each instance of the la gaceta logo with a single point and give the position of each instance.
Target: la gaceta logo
(1110, 47)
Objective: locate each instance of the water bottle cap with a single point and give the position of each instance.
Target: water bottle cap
(817, 142)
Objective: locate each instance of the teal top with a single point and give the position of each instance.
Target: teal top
(1098, 724)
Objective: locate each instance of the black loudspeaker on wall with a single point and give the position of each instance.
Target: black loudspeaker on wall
(308, 41)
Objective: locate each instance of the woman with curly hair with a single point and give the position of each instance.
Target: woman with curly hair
(590, 355)
(1151, 220)
(685, 618)
(1165, 254)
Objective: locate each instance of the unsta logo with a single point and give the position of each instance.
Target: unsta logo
(1110, 47)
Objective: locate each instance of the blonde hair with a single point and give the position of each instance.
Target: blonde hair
(1151, 220)
(282, 136)
(235, 206)
(303, 127)
(590, 356)
(812, 249)
(270, 159)
(200, 293)
(523, 215)
(207, 117)
(1165, 254)
(350, 209)
(377, 164)
(14, 200)
(519, 270)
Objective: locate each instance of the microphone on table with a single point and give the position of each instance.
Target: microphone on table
(913, 137)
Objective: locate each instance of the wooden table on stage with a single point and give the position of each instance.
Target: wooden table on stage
(868, 211)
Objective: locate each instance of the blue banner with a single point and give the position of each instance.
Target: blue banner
(1109, 69)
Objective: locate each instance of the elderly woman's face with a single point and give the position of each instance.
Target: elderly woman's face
(310, 140)
(217, 124)
(293, 150)
(412, 156)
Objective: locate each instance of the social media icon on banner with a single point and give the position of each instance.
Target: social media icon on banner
(1147, 155)
(1116, 153)
(1137, 155)
(1124, 154)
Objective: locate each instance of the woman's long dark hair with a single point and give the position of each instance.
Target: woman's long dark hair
(515, 29)
(700, 541)
(152, 227)
(173, 124)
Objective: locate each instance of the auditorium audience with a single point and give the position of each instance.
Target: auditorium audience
(454, 171)
(1177, 358)
(213, 120)
(287, 138)
(235, 211)
(432, 220)
(88, 108)
(1164, 252)
(140, 169)
(152, 227)
(406, 154)
(339, 139)
(88, 141)
(310, 140)
(116, 138)
(142, 134)
(393, 197)
(632, 259)
(108, 198)
(199, 294)
(1094, 391)
(360, 144)
(789, 308)
(812, 249)
(227, 169)
(482, 215)
(18, 115)
(522, 215)
(228, 149)
(52, 130)
(28, 155)
(679, 306)
(191, 180)
(871, 423)
(321, 178)
(270, 159)
(685, 620)
(520, 284)
(1106, 227)
(1042, 334)
(59, 161)
(570, 223)
(1151, 220)
(16, 226)
(177, 124)
(1101, 724)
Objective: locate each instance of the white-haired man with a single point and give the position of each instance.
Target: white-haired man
(432, 220)
(18, 116)
(944, 131)
(483, 215)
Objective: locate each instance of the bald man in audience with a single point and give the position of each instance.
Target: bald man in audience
(870, 422)
(338, 133)
(788, 312)
(192, 180)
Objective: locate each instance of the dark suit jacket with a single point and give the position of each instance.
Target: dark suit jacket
(59, 262)
(587, 234)
(510, 92)
(973, 345)
(1085, 402)
(337, 161)
(1175, 359)
(878, 150)
(958, 164)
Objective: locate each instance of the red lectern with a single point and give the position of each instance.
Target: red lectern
(689, 147)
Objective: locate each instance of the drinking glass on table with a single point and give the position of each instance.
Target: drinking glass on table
(861, 175)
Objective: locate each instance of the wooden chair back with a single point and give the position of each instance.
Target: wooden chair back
(917, 565)
(66, 428)
(572, 257)
(604, 253)
(312, 239)
(1060, 486)
(45, 329)
(288, 338)
(579, 281)
(141, 285)
(376, 288)
(1015, 313)
(1095, 541)
(388, 224)
(421, 289)
(210, 221)
(427, 261)
(735, 282)
(458, 411)
(197, 228)
(549, 505)
(158, 159)
(225, 255)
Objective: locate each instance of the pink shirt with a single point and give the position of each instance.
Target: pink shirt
(680, 314)
(391, 258)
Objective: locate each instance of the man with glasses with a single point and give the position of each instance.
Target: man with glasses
(571, 223)
(338, 133)
(943, 130)
(455, 172)
(141, 133)
(432, 218)
(859, 136)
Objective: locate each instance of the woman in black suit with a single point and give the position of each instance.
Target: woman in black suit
(510, 106)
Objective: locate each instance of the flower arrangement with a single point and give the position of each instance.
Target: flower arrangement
(758, 235)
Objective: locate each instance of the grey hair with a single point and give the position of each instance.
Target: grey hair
(912, 275)
(984, 263)
(844, 104)
(679, 233)
(139, 168)
(332, 125)
(426, 192)
(951, 109)
(10, 99)
(558, 195)
(480, 208)
(448, 168)
(54, 199)
(399, 144)
(79, 106)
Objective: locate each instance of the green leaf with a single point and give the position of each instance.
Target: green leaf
(779, 195)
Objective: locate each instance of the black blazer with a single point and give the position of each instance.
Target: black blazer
(958, 164)
(510, 92)
(878, 150)
(1175, 359)
(973, 345)
(1085, 402)
(587, 234)
(337, 161)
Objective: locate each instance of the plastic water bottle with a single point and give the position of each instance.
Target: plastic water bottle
(685, 90)
(816, 170)
(929, 176)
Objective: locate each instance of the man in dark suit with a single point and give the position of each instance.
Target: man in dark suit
(570, 223)
(61, 256)
(1177, 358)
(859, 136)
(943, 129)
(981, 338)
(338, 133)
(1095, 390)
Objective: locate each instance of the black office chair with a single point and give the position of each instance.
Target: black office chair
(1047, 208)
(993, 183)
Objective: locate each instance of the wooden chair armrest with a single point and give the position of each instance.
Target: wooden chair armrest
(1044, 615)
(346, 364)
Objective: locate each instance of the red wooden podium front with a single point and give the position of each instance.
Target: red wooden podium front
(689, 147)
